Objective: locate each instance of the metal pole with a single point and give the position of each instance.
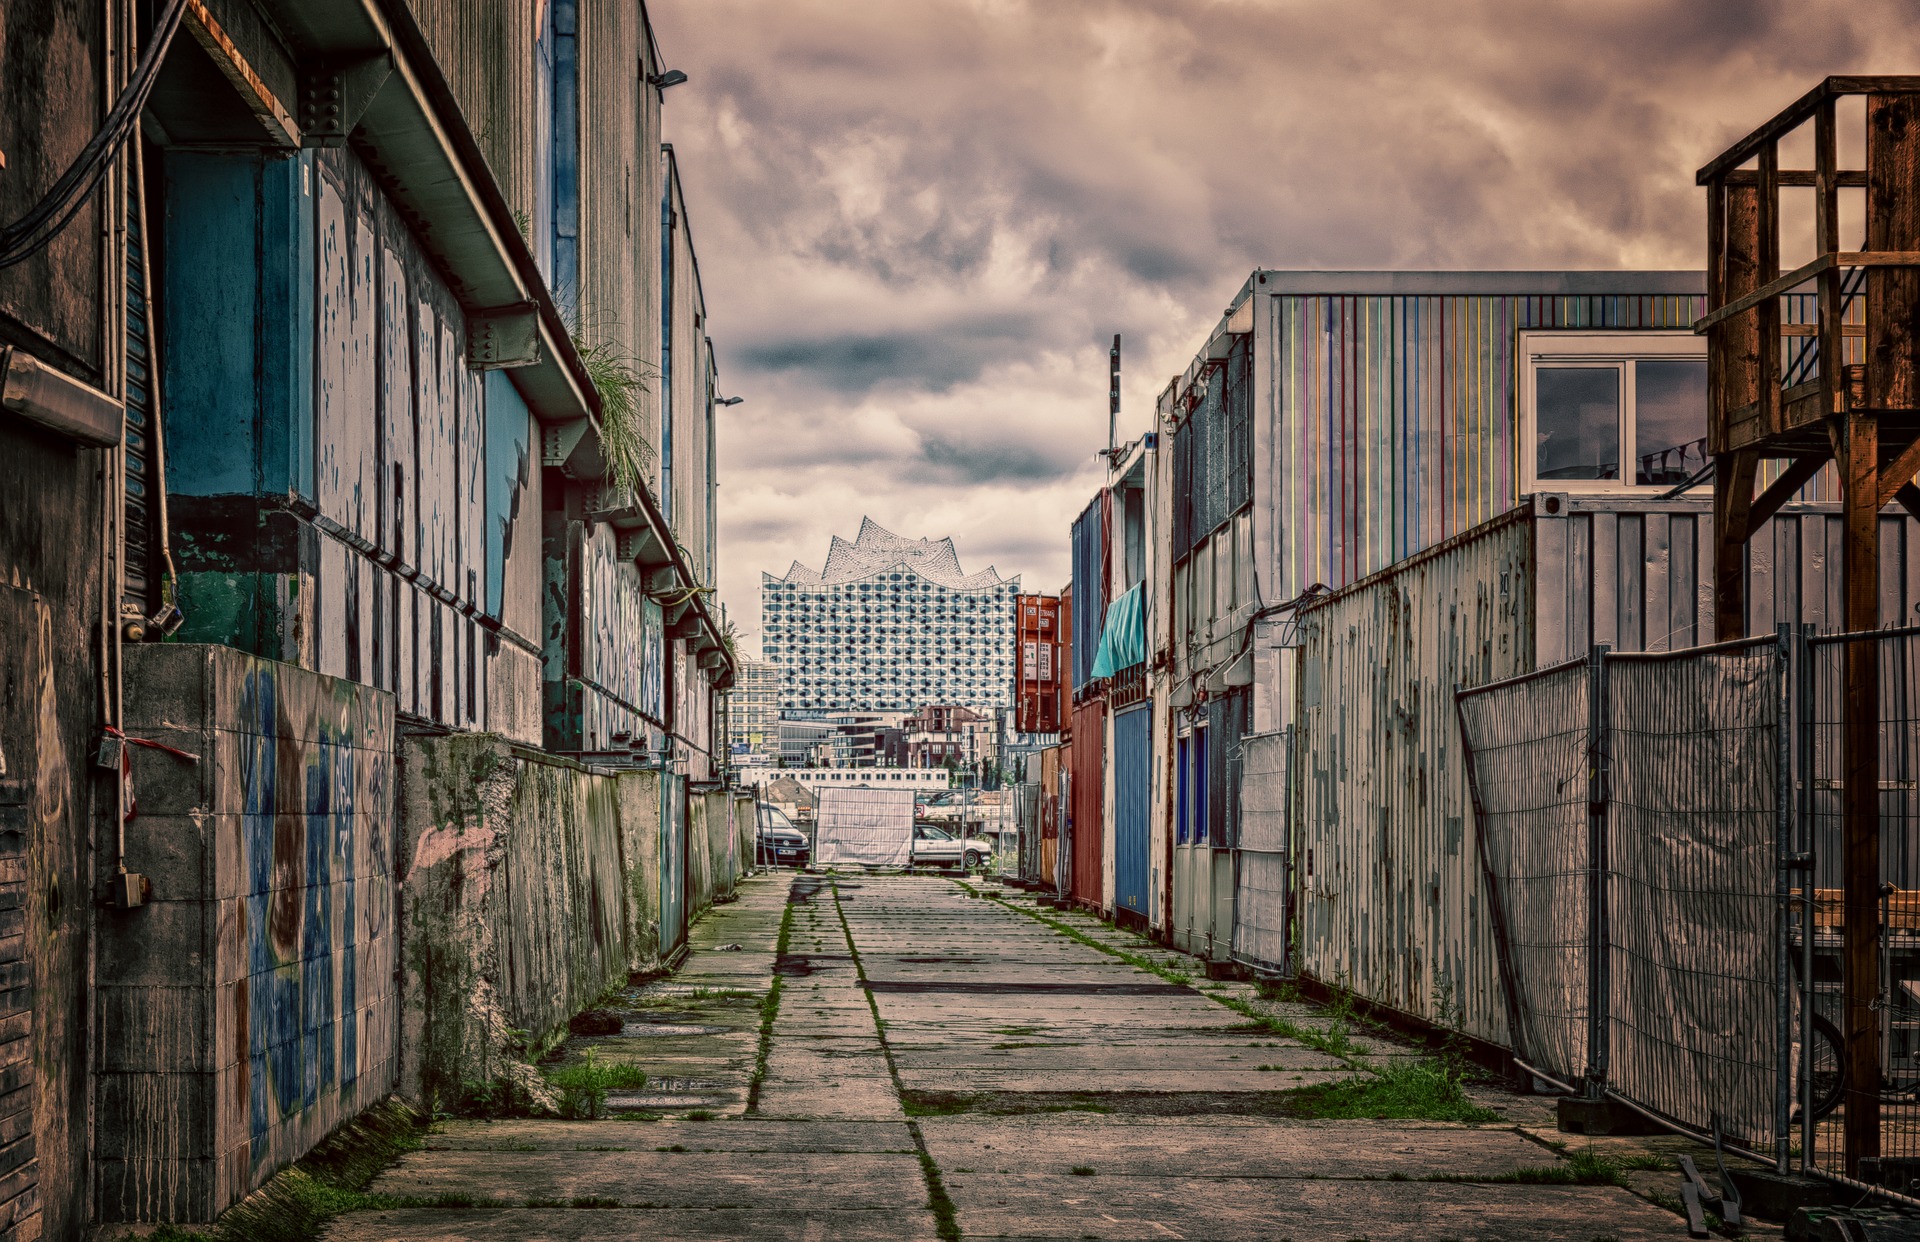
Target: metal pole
(1783, 894)
(1597, 930)
(1113, 397)
(1808, 894)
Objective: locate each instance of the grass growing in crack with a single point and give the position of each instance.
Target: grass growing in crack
(1427, 1090)
(583, 1085)
(769, 1012)
(946, 1221)
(706, 994)
(1082, 1170)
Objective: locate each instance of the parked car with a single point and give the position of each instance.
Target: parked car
(781, 844)
(939, 848)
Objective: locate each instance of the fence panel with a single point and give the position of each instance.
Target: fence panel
(1895, 994)
(1260, 883)
(1692, 857)
(1527, 742)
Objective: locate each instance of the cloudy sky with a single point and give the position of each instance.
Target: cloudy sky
(920, 222)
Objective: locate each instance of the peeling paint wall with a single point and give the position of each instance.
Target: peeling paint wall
(250, 1007)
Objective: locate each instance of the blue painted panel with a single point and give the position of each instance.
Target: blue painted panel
(238, 350)
(508, 474)
(1132, 786)
(565, 278)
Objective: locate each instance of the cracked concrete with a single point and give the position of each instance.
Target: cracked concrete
(930, 1040)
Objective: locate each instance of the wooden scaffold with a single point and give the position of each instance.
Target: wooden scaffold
(1808, 394)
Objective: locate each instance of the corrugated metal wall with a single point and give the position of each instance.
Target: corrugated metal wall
(486, 52)
(1089, 587)
(1390, 895)
(1396, 418)
(1391, 901)
(1088, 796)
(1639, 574)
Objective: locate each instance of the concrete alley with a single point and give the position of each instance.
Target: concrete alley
(908, 1057)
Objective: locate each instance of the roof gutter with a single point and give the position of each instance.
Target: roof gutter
(416, 141)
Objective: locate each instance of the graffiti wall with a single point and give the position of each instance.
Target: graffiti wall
(253, 996)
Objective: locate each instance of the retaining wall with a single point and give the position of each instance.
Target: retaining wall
(250, 1006)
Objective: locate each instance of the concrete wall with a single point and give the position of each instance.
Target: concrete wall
(515, 898)
(249, 1007)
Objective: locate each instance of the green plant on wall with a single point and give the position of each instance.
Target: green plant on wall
(619, 378)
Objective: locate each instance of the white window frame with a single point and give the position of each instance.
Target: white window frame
(1548, 349)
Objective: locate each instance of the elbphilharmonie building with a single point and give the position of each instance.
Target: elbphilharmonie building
(889, 624)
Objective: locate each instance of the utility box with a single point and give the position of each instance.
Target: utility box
(864, 827)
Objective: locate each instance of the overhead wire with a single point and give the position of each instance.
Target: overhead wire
(48, 218)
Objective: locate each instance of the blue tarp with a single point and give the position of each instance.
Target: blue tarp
(1123, 638)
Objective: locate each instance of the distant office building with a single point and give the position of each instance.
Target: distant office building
(753, 709)
(889, 624)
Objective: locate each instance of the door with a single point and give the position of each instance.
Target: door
(1088, 790)
(1132, 794)
(673, 863)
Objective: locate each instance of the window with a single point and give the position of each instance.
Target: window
(1592, 401)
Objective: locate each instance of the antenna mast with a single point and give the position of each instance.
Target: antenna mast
(1113, 394)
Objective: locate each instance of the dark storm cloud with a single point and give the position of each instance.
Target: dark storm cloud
(919, 223)
(935, 359)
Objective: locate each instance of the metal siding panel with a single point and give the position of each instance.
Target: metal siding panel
(1656, 559)
(1630, 599)
(1132, 773)
(1606, 578)
(1551, 568)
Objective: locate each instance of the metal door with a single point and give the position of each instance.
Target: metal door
(1132, 792)
(673, 863)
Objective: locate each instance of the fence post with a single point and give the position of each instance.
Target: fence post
(1598, 934)
(1809, 895)
(1783, 893)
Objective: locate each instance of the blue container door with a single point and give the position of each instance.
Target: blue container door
(673, 863)
(1132, 785)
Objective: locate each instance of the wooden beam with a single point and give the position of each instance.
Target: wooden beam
(1781, 490)
(1899, 473)
(1804, 273)
(1860, 765)
(1732, 508)
(1802, 178)
(1826, 230)
(1893, 223)
(1791, 117)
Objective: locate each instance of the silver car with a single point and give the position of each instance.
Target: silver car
(936, 847)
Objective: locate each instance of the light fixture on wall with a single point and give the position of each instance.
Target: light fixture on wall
(728, 400)
(672, 77)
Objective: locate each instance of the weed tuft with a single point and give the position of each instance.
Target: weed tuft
(584, 1084)
(1082, 1170)
(1425, 1090)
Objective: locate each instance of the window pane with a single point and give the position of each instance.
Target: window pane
(1670, 419)
(1577, 422)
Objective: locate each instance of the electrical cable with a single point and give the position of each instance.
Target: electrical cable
(35, 230)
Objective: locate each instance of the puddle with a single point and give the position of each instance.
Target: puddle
(642, 1029)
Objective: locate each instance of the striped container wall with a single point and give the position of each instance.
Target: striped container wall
(1397, 418)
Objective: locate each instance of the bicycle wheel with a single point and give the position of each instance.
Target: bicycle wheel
(1827, 1068)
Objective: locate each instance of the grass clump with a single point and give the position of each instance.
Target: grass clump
(1082, 1170)
(582, 1086)
(1425, 1090)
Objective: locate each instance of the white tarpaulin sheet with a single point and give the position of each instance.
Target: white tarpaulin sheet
(864, 827)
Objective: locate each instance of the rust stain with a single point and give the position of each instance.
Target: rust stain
(234, 67)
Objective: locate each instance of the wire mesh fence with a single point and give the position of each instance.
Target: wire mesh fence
(1883, 1112)
(1260, 910)
(1633, 820)
(1695, 836)
(1527, 741)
